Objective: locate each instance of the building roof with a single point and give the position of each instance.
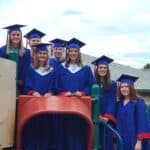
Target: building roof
(142, 84)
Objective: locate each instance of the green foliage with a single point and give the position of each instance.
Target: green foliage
(147, 66)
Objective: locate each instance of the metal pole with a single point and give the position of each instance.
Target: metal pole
(119, 138)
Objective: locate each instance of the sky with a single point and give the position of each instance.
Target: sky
(119, 29)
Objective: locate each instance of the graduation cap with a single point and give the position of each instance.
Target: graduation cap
(125, 78)
(75, 43)
(58, 43)
(103, 60)
(15, 27)
(41, 47)
(34, 33)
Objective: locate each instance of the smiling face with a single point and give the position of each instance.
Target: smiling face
(102, 70)
(73, 54)
(125, 89)
(58, 52)
(34, 41)
(42, 57)
(15, 37)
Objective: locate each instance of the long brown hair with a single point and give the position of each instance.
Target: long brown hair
(78, 61)
(107, 83)
(9, 45)
(132, 95)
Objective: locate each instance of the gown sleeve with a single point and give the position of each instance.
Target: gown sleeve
(142, 120)
(52, 83)
(110, 109)
(3, 52)
(28, 84)
(89, 81)
(58, 83)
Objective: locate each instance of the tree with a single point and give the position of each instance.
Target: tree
(147, 66)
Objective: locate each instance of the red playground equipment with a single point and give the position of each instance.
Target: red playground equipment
(29, 107)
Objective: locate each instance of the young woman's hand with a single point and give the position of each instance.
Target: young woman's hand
(48, 94)
(77, 93)
(104, 119)
(68, 94)
(36, 94)
(138, 145)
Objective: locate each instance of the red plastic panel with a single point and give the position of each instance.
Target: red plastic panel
(29, 106)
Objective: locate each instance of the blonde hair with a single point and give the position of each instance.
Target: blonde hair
(9, 45)
(36, 64)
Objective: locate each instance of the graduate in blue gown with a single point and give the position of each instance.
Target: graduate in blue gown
(40, 80)
(14, 42)
(33, 37)
(132, 123)
(58, 50)
(108, 92)
(74, 79)
(40, 77)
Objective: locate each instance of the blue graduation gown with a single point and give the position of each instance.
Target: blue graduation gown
(40, 83)
(81, 80)
(107, 109)
(54, 63)
(24, 61)
(132, 123)
(108, 101)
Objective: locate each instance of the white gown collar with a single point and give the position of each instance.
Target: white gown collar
(73, 68)
(42, 71)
